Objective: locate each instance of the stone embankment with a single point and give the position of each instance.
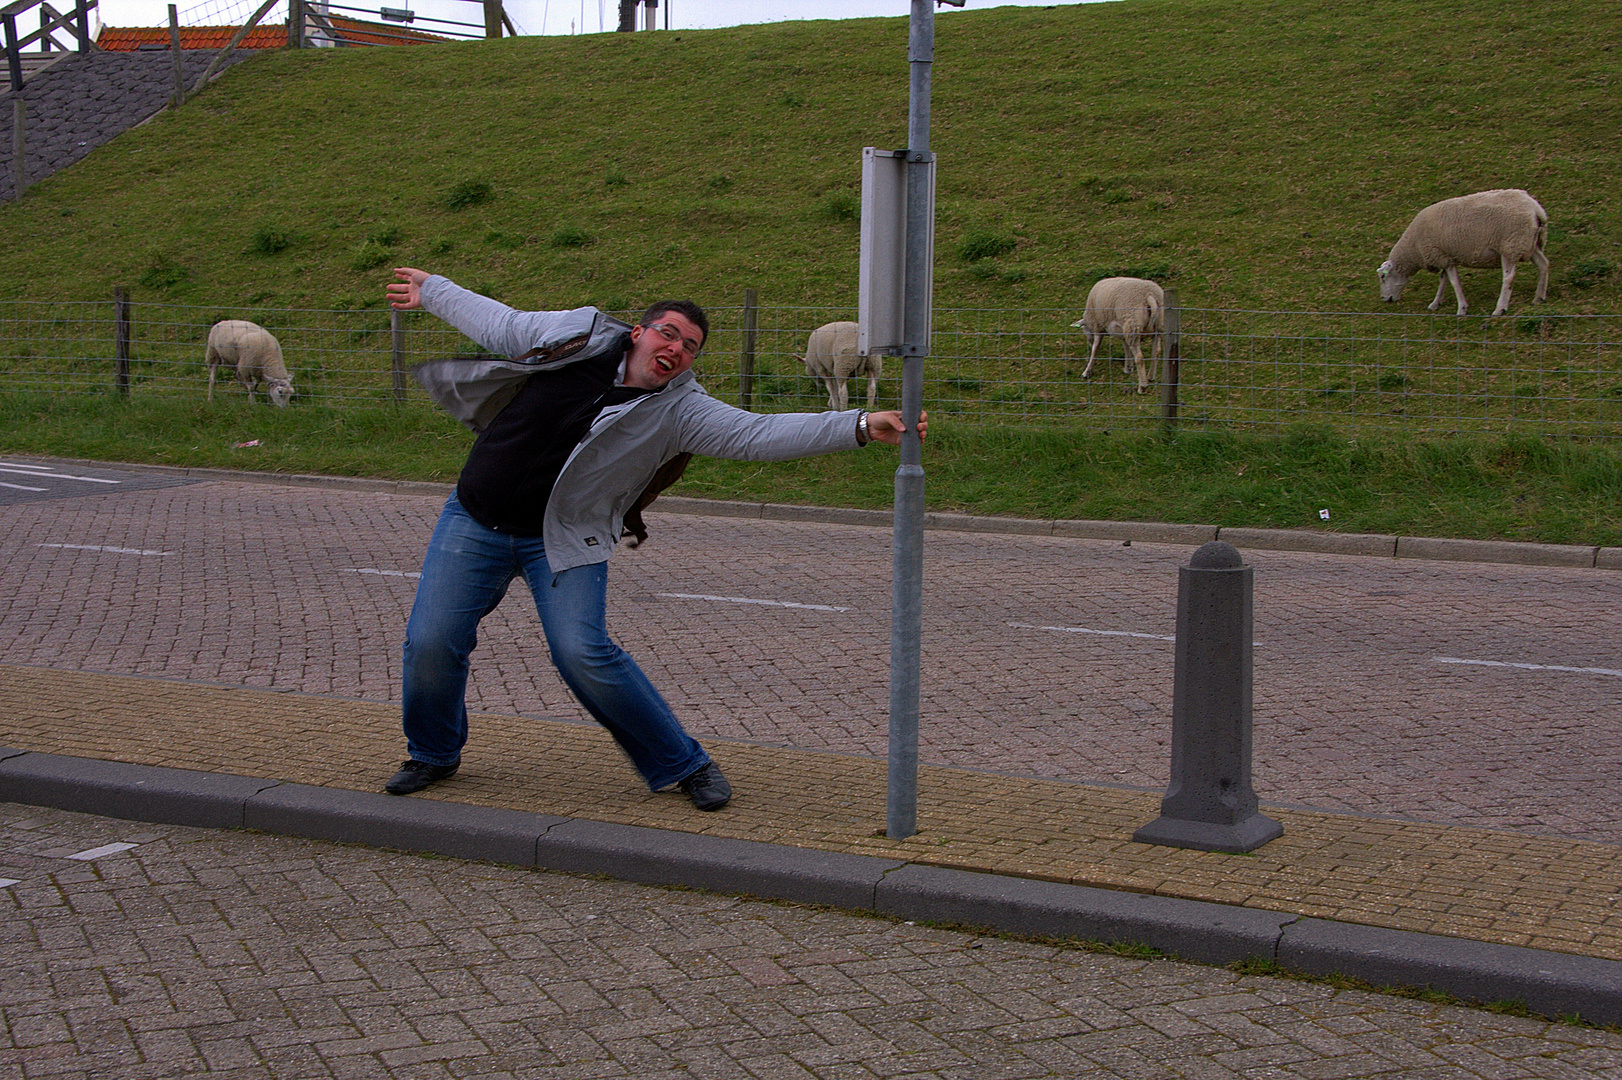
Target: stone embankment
(87, 99)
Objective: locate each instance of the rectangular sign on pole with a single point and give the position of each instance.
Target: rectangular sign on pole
(882, 276)
(881, 291)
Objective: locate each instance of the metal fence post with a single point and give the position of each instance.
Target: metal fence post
(121, 348)
(1210, 804)
(1171, 316)
(397, 348)
(19, 167)
(174, 46)
(746, 365)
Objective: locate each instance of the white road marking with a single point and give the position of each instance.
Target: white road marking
(98, 852)
(750, 600)
(103, 547)
(1089, 630)
(20, 487)
(1528, 667)
(379, 573)
(40, 474)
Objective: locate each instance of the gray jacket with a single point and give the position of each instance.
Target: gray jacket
(626, 443)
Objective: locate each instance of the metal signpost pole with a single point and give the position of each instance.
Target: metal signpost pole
(906, 612)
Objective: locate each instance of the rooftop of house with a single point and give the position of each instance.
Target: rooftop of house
(274, 36)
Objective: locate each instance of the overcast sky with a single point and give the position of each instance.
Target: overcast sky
(556, 16)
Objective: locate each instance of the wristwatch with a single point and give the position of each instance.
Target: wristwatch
(862, 436)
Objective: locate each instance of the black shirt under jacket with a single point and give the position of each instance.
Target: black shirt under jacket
(516, 460)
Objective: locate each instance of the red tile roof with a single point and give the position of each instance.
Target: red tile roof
(129, 39)
(349, 31)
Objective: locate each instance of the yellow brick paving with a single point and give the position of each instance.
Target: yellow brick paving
(1541, 892)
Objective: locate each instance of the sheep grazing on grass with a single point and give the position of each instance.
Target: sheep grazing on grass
(254, 355)
(1490, 228)
(1129, 308)
(831, 356)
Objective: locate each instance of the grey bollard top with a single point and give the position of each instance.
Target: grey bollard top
(1210, 804)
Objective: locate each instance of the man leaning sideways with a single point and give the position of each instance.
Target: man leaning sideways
(575, 412)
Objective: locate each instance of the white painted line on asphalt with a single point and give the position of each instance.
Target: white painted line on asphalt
(15, 470)
(750, 600)
(8, 882)
(1528, 667)
(103, 547)
(20, 487)
(98, 852)
(1089, 630)
(379, 573)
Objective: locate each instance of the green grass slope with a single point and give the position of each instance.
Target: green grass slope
(1254, 153)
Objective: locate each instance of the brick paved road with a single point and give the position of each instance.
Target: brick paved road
(252, 956)
(1028, 664)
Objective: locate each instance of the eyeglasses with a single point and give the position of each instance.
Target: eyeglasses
(670, 333)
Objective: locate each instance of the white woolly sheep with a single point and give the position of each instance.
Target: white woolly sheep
(1490, 228)
(831, 356)
(253, 354)
(1129, 308)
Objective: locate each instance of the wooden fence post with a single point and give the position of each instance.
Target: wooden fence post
(492, 18)
(295, 24)
(19, 167)
(397, 348)
(174, 46)
(1171, 315)
(236, 39)
(121, 318)
(746, 368)
(14, 65)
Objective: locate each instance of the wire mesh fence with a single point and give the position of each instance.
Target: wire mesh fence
(1240, 370)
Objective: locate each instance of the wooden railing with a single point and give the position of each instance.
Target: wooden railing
(75, 23)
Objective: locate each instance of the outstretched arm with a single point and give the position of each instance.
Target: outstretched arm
(886, 427)
(491, 324)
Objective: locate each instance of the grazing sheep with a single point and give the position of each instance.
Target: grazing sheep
(1490, 228)
(831, 356)
(1130, 308)
(250, 351)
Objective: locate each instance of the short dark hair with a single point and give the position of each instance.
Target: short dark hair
(683, 307)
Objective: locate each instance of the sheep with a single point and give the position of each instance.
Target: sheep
(250, 351)
(1490, 228)
(1130, 308)
(831, 356)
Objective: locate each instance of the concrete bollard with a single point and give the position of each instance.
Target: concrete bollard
(1210, 804)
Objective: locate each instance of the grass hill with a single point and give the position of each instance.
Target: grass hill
(1255, 153)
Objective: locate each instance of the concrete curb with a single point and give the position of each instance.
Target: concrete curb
(1144, 532)
(1554, 984)
(1163, 532)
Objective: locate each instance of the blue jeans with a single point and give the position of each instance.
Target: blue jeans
(464, 576)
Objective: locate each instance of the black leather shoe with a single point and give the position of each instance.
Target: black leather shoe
(707, 788)
(416, 775)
